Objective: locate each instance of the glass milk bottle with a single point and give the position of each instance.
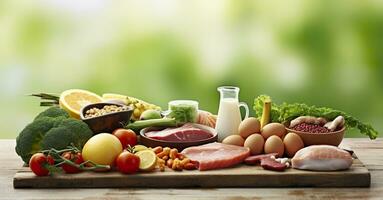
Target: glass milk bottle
(229, 115)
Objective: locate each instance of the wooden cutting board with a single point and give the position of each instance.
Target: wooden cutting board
(240, 176)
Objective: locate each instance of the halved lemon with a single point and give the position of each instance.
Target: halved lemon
(139, 147)
(148, 160)
(74, 99)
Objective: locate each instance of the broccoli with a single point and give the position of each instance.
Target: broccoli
(53, 112)
(52, 128)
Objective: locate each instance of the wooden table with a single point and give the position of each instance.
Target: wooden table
(369, 152)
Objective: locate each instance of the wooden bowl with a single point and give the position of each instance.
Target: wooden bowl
(149, 142)
(331, 138)
(106, 123)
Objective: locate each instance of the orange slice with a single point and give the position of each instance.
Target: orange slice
(74, 99)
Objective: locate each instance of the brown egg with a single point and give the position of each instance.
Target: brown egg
(234, 140)
(292, 143)
(273, 129)
(255, 143)
(249, 126)
(274, 144)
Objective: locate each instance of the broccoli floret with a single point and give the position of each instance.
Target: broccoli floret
(69, 131)
(28, 141)
(51, 129)
(53, 111)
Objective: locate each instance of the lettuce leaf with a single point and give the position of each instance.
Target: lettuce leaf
(286, 112)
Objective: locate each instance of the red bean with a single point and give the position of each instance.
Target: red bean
(311, 128)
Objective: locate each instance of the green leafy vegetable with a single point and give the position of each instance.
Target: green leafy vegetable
(183, 113)
(286, 112)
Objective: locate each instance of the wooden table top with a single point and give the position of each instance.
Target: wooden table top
(369, 152)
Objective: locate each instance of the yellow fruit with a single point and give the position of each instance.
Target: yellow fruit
(148, 160)
(139, 147)
(102, 149)
(138, 105)
(74, 99)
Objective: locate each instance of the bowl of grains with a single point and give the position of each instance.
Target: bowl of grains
(105, 117)
(317, 132)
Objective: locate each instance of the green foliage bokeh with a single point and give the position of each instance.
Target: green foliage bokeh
(325, 53)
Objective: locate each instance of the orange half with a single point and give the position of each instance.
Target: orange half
(74, 99)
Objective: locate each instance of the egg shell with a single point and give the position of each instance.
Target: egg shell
(255, 143)
(274, 144)
(234, 140)
(273, 129)
(249, 126)
(293, 143)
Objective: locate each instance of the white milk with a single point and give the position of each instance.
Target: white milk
(229, 118)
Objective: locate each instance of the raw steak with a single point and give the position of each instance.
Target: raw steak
(185, 133)
(216, 155)
(272, 164)
(322, 158)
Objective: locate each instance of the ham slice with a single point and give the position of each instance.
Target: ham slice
(322, 158)
(216, 155)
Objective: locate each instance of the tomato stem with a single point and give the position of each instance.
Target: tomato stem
(61, 160)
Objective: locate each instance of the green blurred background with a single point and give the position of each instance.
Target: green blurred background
(326, 53)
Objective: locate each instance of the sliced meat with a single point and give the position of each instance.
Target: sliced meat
(185, 133)
(253, 160)
(322, 158)
(272, 164)
(216, 155)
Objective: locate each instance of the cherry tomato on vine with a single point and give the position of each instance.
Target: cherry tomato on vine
(127, 162)
(39, 164)
(75, 158)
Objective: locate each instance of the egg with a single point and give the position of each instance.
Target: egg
(255, 143)
(274, 144)
(249, 126)
(273, 129)
(234, 140)
(292, 143)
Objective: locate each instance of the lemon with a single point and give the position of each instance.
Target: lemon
(139, 147)
(148, 160)
(74, 99)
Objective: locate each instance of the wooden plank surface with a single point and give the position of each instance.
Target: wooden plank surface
(240, 176)
(369, 152)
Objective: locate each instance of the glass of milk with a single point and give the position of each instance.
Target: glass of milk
(229, 115)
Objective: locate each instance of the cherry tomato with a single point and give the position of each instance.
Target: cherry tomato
(126, 137)
(74, 157)
(39, 162)
(127, 162)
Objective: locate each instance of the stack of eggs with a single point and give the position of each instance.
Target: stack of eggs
(272, 138)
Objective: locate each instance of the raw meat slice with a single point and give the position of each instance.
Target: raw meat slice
(216, 155)
(253, 160)
(272, 164)
(322, 158)
(187, 132)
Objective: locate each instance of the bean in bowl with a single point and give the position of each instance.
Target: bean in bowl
(95, 112)
(311, 128)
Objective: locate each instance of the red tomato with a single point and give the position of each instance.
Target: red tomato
(126, 137)
(74, 157)
(39, 162)
(127, 162)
